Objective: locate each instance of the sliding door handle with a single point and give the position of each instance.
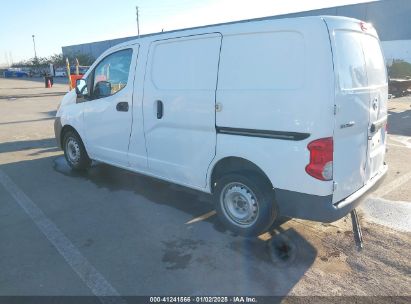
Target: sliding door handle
(160, 109)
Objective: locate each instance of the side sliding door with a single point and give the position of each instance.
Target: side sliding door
(179, 107)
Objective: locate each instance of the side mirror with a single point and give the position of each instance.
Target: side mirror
(102, 89)
(81, 88)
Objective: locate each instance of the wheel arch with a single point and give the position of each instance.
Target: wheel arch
(64, 130)
(234, 164)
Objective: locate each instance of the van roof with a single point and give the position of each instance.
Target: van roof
(219, 25)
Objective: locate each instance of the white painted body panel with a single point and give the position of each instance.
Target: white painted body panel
(71, 113)
(281, 160)
(290, 87)
(137, 152)
(292, 91)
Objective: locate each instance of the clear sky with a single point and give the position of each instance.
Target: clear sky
(56, 23)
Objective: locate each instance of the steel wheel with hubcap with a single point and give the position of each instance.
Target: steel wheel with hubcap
(240, 204)
(245, 203)
(74, 151)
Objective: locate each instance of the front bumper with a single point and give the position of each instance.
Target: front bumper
(57, 131)
(321, 208)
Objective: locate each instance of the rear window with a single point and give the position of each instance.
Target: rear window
(376, 70)
(359, 60)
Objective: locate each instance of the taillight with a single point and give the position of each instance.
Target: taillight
(321, 159)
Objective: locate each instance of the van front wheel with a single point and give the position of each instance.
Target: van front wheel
(74, 151)
(245, 203)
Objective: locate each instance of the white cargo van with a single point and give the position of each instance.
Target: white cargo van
(273, 117)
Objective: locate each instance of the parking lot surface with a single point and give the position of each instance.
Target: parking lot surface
(112, 232)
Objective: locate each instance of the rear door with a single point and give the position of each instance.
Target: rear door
(360, 102)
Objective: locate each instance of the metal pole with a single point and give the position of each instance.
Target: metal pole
(77, 69)
(138, 24)
(68, 73)
(34, 45)
(357, 230)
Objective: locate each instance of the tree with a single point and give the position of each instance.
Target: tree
(399, 69)
(83, 58)
(57, 60)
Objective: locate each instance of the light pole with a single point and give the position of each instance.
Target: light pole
(34, 45)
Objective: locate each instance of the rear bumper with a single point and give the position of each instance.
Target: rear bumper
(57, 131)
(321, 208)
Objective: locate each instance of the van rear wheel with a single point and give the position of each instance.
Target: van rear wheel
(245, 203)
(75, 152)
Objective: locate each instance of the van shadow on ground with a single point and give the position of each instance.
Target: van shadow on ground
(285, 250)
(208, 253)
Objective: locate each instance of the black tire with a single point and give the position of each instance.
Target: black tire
(256, 191)
(77, 158)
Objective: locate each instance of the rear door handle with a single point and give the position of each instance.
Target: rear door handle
(160, 109)
(347, 125)
(378, 124)
(122, 106)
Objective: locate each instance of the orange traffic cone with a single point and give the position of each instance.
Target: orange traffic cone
(49, 84)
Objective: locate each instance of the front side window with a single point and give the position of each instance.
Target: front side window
(111, 74)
